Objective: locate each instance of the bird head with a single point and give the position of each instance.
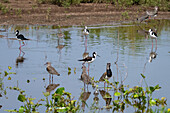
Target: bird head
(17, 32)
(85, 27)
(150, 30)
(95, 54)
(47, 63)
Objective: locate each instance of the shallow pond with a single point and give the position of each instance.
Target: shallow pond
(127, 44)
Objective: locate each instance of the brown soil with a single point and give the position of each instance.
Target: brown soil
(29, 12)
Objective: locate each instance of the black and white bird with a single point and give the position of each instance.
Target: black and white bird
(51, 70)
(152, 13)
(107, 74)
(20, 37)
(152, 34)
(89, 59)
(85, 31)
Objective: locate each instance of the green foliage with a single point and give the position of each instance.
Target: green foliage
(4, 8)
(163, 4)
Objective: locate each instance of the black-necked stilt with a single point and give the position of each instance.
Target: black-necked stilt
(107, 74)
(20, 37)
(85, 31)
(51, 70)
(152, 34)
(89, 59)
(152, 13)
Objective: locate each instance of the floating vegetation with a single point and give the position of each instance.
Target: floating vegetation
(123, 97)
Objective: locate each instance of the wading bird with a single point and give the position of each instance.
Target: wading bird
(20, 37)
(107, 75)
(51, 71)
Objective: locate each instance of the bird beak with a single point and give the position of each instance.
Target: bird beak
(98, 55)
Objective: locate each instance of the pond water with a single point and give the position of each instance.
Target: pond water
(125, 43)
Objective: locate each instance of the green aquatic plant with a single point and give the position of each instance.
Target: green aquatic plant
(62, 101)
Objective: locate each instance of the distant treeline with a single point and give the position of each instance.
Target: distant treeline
(116, 2)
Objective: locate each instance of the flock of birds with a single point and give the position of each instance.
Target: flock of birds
(88, 59)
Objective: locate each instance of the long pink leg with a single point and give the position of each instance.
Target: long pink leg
(156, 44)
(88, 69)
(85, 43)
(23, 44)
(20, 45)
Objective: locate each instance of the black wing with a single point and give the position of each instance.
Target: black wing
(153, 33)
(109, 72)
(86, 59)
(22, 37)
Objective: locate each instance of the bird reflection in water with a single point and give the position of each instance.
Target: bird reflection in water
(51, 87)
(107, 97)
(143, 32)
(152, 54)
(84, 97)
(85, 78)
(60, 46)
(20, 59)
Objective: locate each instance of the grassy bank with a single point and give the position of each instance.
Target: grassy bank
(162, 4)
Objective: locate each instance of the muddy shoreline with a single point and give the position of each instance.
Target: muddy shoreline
(86, 14)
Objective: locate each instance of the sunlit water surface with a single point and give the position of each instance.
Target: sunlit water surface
(125, 43)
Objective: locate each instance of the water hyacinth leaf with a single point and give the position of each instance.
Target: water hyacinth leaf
(116, 101)
(117, 94)
(116, 83)
(152, 89)
(69, 73)
(135, 95)
(60, 90)
(21, 109)
(9, 78)
(62, 109)
(12, 73)
(11, 110)
(21, 98)
(9, 67)
(28, 81)
(143, 76)
(152, 102)
(74, 70)
(69, 69)
(157, 87)
(6, 73)
(46, 94)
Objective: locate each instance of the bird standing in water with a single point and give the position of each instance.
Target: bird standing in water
(51, 71)
(153, 35)
(20, 37)
(89, 60)
(152, 13)
(85, 31)
(107, 75)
